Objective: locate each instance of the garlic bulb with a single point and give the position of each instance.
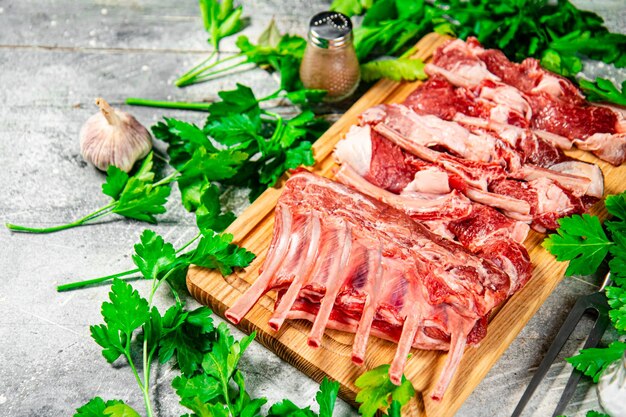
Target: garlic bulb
(113, 137)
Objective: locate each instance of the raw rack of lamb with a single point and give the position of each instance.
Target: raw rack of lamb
(424, 238)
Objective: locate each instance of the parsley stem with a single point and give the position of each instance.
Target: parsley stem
(274, 95)
(101, 212)
(80, 284)
(186, 245)
(129, 358)
(191, 77)
(181, 81)
(210, 75)
(166, 180)
(182, 105)
(203, 62)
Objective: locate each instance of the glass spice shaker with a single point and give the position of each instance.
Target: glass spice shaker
(329, 62)
(612, 388)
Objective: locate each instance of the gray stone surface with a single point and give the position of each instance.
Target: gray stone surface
(55, 57)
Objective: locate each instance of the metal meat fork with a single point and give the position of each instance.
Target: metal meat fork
(592, 303)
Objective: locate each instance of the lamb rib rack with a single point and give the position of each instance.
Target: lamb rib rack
(371, 269)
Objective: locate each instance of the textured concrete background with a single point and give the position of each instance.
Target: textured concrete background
(55, 57)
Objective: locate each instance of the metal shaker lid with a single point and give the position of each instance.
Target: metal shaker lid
(330, 30)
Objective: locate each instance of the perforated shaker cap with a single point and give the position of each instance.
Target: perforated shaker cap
(330, 30)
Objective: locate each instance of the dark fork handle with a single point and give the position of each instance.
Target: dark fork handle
(580, 308)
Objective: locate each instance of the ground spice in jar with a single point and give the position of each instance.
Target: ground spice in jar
(329, 62)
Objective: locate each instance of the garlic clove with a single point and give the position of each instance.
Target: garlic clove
(113, 137)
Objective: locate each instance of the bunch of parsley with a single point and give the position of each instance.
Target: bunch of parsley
(273, 51)
(585, 243)
(241, 144)
(220, 19)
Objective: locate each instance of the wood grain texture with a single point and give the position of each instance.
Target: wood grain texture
(253, 229)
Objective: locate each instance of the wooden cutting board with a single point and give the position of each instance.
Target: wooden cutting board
(253, 230)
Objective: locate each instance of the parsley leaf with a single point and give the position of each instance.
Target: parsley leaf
(565, 65)
(153, 256)
(126, 312)
(210, 393)
(592, 362)
(115, 182)
(617, 300)
(205, 167)
(140, 199)
(616, 206)
(617, 264)
(603, 90)
(235, 130)
(282, 53)
(286, 408)
(196, 391)
(241, 100)
(327, 396)
(186, 335)
(580, 240)
(351, 7)
(377, 391)
(593, 413)
(209, 214)
(220, 19)
(394, 69)
(120, 410)
(95, 407)
(217, 252)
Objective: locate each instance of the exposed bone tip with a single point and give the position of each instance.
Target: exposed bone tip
(357, 360)
(436, 396)
(232, 317)
(314, 343)
(274, 325)
(395, 379)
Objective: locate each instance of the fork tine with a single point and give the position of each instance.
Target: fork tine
(595, 335)
(565, 331)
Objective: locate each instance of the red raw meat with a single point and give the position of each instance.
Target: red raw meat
(380, 169)
(558, 107)
(369, 269)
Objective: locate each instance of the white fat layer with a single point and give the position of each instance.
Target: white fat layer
(429, 181)
(583, 169)
(550, 197)
(356, 149)
(550, 85)
(507, 97)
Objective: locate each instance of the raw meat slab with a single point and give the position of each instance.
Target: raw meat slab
(253, 229)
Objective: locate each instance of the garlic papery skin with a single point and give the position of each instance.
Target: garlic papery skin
(612, 388)
(113, 137)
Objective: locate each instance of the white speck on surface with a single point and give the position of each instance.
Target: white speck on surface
(3, 399)
(53, 23)
(1, 10)
(145, 68)
(104, 12)
(92, 42)
(92, 32)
